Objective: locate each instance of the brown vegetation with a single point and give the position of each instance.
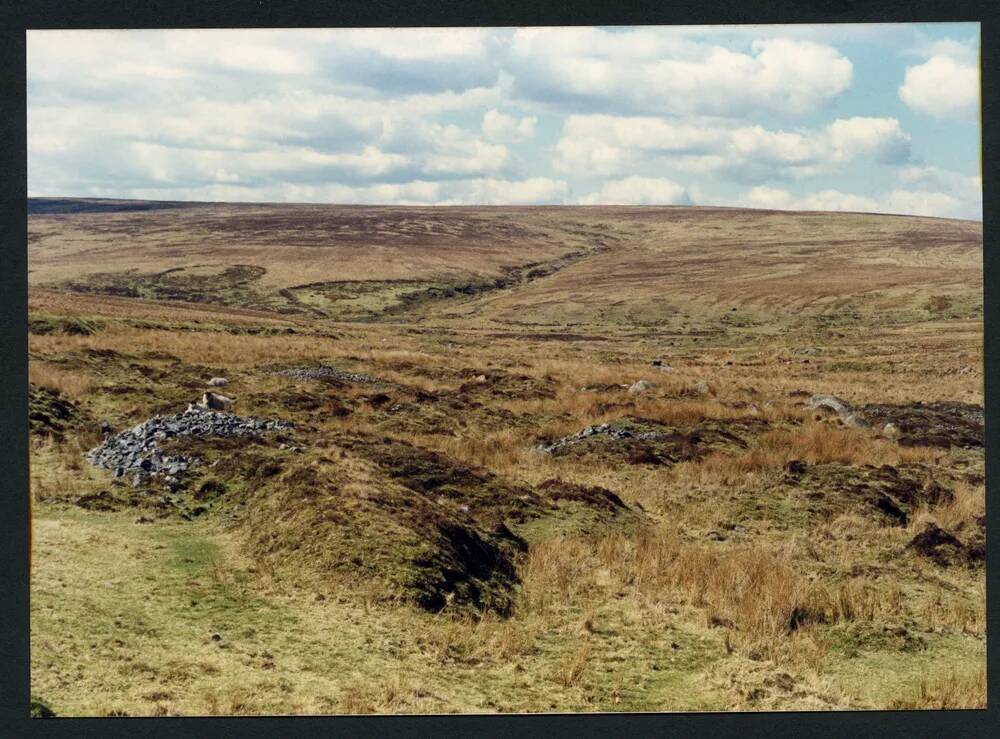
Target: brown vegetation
(737, 551)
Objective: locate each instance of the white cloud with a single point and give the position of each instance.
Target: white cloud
(638, 191)
(478, 191)
(414, 115)
(499, 126)
(769, 197)
(520, 192)
(926, 177)
(905, 201)
(944, 86)
(643, 71)
(610, 145)
(421, 43)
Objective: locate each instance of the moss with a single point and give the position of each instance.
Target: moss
(43, 324)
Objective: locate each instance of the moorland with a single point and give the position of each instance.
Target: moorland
(503, 459)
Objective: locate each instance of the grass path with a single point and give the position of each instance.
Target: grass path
(164, 619)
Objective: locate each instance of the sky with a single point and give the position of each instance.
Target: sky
(876, 117)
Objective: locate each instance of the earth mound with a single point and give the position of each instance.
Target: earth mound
(940, 424)
(645, 441)
(51, 414)
(416, 524)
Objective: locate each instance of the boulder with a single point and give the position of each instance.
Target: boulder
(641, 386)
(855, 421)
(702, 388)
(829, 402)
(890, 431)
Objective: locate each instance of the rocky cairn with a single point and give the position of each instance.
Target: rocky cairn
(137, 451)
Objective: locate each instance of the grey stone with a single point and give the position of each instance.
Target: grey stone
(641, 386)
(829, 402)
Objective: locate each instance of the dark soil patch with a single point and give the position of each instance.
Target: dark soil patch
(51, 414)
(945, 549)
(596, 497)
(891, 493)
(942, 424)
(100, 501)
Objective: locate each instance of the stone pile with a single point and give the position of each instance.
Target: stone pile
(605, 429)
(324, 372)
(137, 451)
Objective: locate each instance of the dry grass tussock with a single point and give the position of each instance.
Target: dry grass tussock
(954, 691)
(969, 502)
(752, 590)
(192, 346)
(486, 639)
(71, 384)
(58, 471)
(814, 443)
(592, 407)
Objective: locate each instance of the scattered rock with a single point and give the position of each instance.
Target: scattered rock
(646, 441)
(941, 424)
(325, 372)
(855, 421)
